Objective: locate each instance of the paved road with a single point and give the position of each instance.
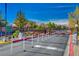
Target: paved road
(53, 45)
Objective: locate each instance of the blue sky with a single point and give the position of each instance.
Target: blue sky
(40, 12)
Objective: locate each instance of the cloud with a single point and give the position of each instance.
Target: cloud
(60, 21)
(63, 6)
(57, 21)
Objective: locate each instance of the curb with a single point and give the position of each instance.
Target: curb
(66, 52)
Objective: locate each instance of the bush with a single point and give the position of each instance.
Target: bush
(16, 33)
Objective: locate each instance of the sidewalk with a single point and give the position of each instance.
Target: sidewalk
(74, 48)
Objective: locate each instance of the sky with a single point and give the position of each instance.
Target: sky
(39, 12)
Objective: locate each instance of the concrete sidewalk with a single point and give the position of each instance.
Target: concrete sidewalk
(75, 47)
(76, 50)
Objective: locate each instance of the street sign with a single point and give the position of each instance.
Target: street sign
(8, 28)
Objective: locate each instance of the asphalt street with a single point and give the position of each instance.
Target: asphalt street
(52, 45)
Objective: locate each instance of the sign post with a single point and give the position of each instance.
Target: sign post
(38, 39)
(23, 37)
(42, 37)
(11, 49)
(32, 41)
(24, 45)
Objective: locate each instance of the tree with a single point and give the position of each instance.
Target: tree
(33, 25)
(40, 27)
(20, 21)
(50, 26)
(76, 12)
(73, 18)
(53, 25)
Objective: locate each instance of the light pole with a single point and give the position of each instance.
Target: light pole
(5, 18)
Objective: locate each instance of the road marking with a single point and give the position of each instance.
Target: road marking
(47, 47)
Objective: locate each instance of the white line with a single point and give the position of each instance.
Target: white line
(47, 47)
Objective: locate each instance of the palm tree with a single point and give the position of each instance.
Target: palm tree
(20, 21)
(33, 25)
(50, 26)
